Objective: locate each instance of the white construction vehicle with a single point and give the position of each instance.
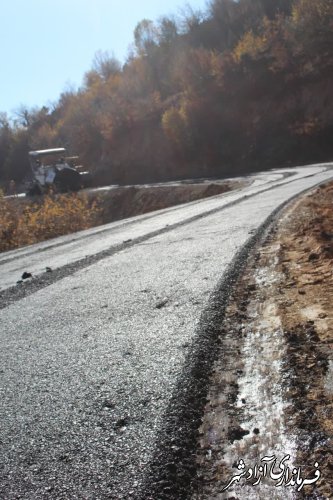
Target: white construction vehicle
(52, 170)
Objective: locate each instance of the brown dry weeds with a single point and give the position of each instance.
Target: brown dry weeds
(24, 221)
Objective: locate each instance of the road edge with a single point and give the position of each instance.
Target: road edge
(172, 471)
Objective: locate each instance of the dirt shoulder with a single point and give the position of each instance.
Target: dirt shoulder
(272, 385)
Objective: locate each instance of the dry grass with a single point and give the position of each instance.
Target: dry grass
(53, 215)
(23, 222)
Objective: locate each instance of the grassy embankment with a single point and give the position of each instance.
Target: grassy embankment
(24, 221)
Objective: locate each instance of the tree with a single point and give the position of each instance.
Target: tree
(23, 116)
(313, 26)
(106, 65)
(167, 31)
(145, 37)
(190, 19)
(175, 127)
(6, 138)
(17, 163)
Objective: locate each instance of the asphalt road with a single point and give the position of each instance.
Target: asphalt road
(70, 249)
(92, 353)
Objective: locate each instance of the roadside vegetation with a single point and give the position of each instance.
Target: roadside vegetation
(245, 85)
(23, 221)
(26, 222)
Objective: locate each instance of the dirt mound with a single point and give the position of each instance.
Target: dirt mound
(125, 202)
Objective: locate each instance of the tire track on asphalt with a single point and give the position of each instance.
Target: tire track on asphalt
(172, 471)
(18, 292)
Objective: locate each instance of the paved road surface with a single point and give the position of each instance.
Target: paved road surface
(72, 248)
(89, 363)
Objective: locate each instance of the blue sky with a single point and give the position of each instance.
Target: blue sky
(48, 45)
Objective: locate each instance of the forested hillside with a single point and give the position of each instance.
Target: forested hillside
(246, 85)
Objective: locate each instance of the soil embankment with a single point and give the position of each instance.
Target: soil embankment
(124, 202)
(25, 220)
(272, 386)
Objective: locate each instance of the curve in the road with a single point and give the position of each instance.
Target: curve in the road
(14, 293)
(92, 366)
(172, 472)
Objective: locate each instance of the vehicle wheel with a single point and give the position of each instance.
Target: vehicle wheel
(85, 179)
(34, 190)
(67, 180)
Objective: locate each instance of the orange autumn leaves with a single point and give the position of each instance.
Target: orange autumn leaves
(23, 223)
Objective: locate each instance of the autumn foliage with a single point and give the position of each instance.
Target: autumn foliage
(23, 223)
(246, 85)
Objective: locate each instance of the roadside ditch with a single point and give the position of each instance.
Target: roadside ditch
(258, 380)
(272, 382)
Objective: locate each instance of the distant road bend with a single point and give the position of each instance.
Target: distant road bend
(93, 352)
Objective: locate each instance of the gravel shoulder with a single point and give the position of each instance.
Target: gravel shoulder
(272, 383)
